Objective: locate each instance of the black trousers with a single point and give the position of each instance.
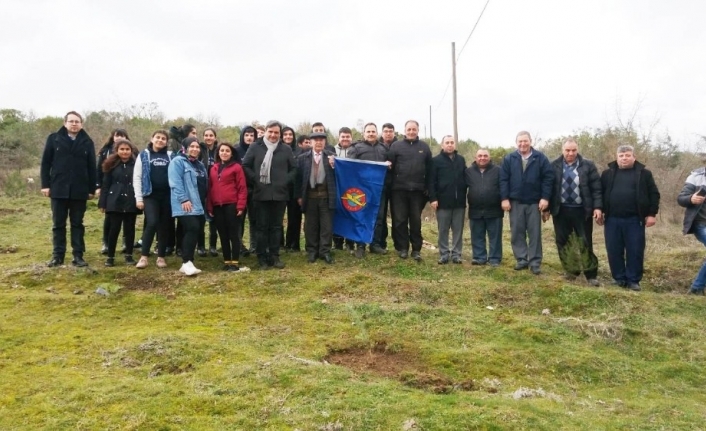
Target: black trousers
(318, 226)
(73, 209)
(158, 216)
(191, 226)
(294, 225)
(407, 209)
(252, 220)
(385, 207)
(573, 221)
(127, 222)
(270, 215)
(228, 224)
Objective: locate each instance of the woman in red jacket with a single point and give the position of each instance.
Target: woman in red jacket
(227, 198)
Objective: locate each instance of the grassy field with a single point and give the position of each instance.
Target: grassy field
(373, 344)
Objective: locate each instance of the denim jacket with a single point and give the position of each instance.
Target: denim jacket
(141, 175)
(182, 181)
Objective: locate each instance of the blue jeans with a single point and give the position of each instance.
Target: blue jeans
(625, 245)
(700, 280)
(494, 228)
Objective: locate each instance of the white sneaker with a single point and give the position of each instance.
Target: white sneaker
(183, 268)
(190, 269)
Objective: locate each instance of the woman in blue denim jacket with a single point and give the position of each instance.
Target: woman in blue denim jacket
(189, 186)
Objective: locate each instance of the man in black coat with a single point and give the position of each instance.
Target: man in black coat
(447, 196)
(270, 166)
(247, 137)
(315, 191)
(630, 204)
(68, 173)
(411, 171)
(576, 201)
(485, 212)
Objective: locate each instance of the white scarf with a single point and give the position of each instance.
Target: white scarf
(266, 165)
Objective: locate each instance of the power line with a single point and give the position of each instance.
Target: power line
(460, 52)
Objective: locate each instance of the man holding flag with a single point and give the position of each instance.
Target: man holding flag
(373, 151)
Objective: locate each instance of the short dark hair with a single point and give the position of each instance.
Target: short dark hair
(274, 123)
(370, 124)
(388, 126)
(345, 129)
(318, 123)
(66, 117)
(260, 127)
(301, 139)
(186, 129)
(411, 121)
(161, 132)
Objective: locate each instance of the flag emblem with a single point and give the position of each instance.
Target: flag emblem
(353, 199)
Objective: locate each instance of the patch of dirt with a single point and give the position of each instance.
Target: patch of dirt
(404, 366)
(143, 281)
(8, 249)
(9, 211)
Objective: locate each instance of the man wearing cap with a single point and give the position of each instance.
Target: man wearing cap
(68, 173)
(270, 166)
(315, 191)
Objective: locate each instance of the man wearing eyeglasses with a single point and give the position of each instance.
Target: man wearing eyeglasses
(68, 173)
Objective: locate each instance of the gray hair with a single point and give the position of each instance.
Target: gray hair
(625, 149)
(274, 123)
(523, 133)
(568, 140)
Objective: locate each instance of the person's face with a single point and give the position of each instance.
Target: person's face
(194, 149)
(124, 152)
(570, 150)
(272, 134)
(388, 134)
(448, 145)
(249, 138)
(159, 141)
(261, 133)
(524, 143)
(305, 144)
(288, 137)
(344, 140)
(482, 158)
(193, 133)
(225, 153)
(73, 124)
(370, 134)
(209, 137)
(626, 160)
(318, 129)
(411, 130)
(319, 144)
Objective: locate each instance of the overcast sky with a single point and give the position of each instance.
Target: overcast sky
(547, 66)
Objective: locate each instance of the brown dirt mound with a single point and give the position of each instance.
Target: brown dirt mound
(404, 366)
(8, 211)
(143, 281)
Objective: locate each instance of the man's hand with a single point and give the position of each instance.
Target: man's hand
(140, 206)
(45, 193)
(389, 164)
(697, 200)
(505, 204)
(98, 192)
(545, 216)
(239, 213)
(435, 205)
(300, 201)
(186, 206)
(330, 161)
(597, 214)
(543, 204)
(650, 221)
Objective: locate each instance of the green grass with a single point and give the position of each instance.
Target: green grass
(445, 346)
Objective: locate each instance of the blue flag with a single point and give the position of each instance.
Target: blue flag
(359, 186)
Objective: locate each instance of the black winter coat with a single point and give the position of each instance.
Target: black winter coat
(282, 174)
(448, 184)
(484, 192)
(117, 193)
(411, 165)
(373, 153)
(103, 154)
(68, 167)
(694, 182)
(301, 187)
(647, 193)
(589, 185)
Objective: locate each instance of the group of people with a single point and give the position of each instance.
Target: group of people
(532, 189)
(272, 171)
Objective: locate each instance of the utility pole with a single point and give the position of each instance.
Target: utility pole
(453, 69)
(431, 134)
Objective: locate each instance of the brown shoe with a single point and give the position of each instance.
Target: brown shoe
(161, 263)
